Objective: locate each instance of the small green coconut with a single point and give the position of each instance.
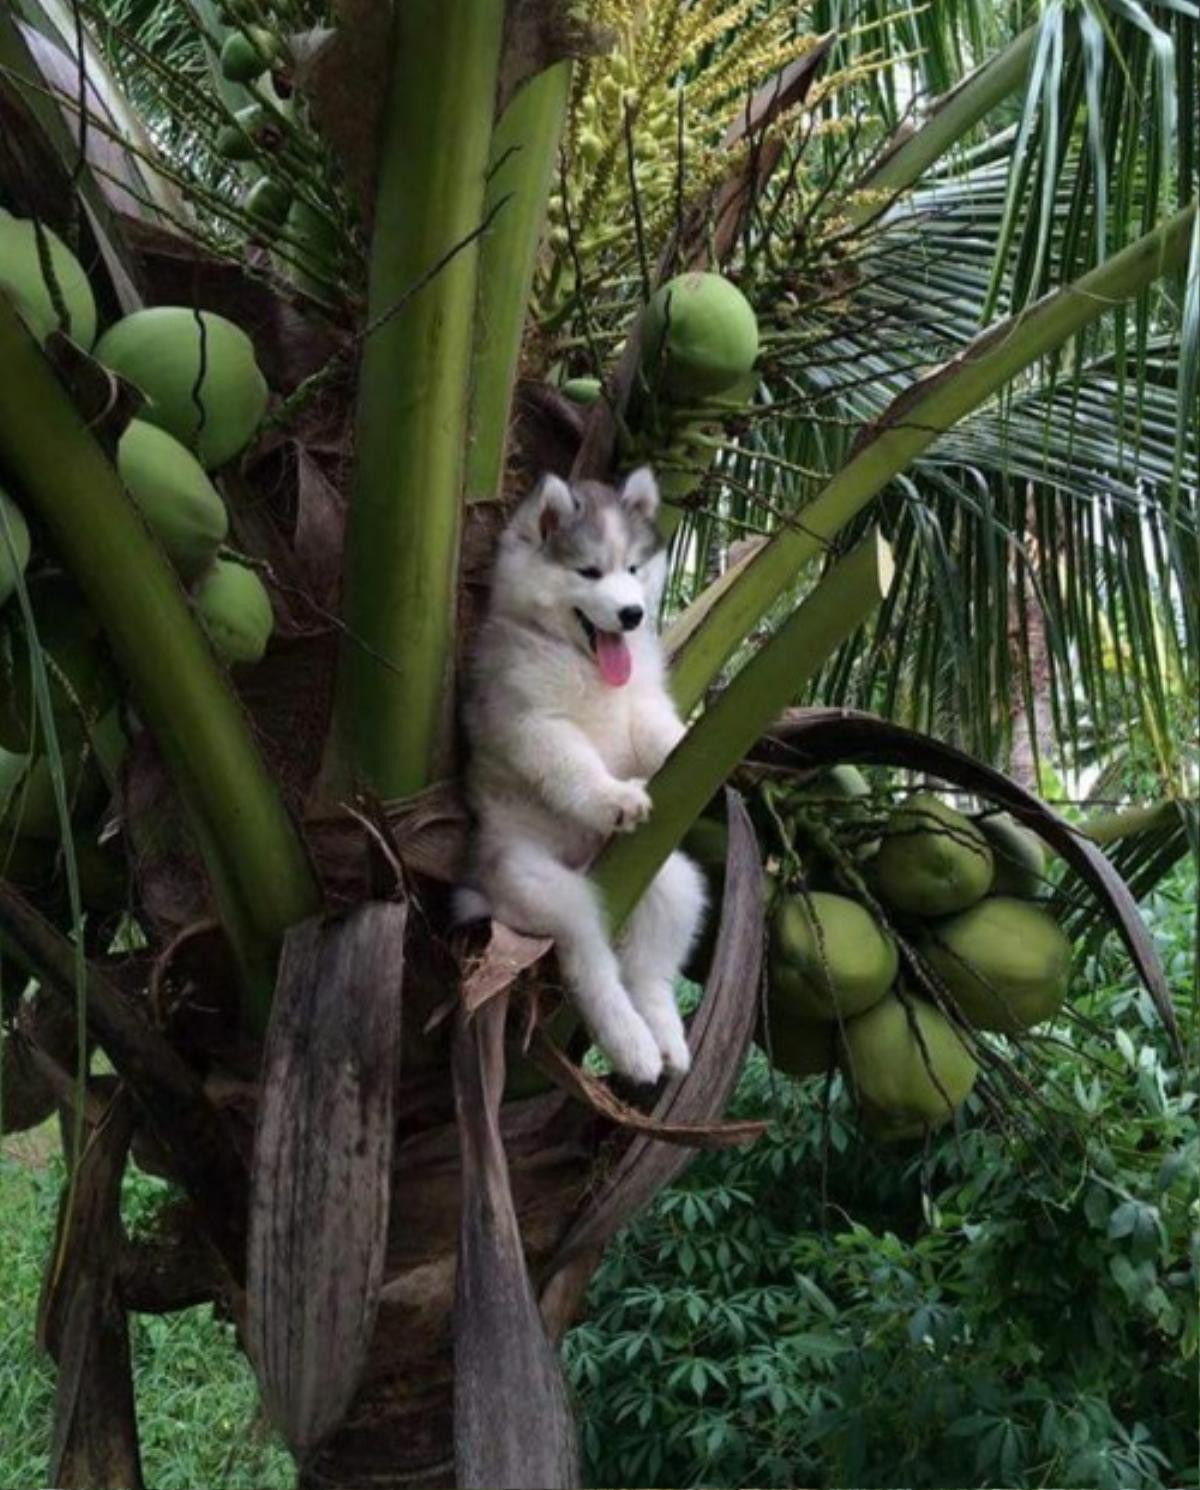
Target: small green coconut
(581, 390)
(180, 504)
(29, 808)
(254, 127)
(933, 861)
(699, 337)
(797, 1047)
(837, 974)
(268, 201)
(1004, 962)
(15, 549)
(246, 55)
(159, 350)
(235, 608)
(706, 842)
(312, 241)
(1019, 855)
(22, 277)
(79, 673)
(909, 1089)
(839, 784)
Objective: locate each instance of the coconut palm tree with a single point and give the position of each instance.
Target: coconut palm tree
(961, 470)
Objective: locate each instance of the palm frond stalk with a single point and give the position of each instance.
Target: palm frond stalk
(915, 421)
(523, 156)
(693, 775)
(412, 414)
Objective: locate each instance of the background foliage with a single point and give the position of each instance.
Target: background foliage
(1015, 1306)
(1012, 1308)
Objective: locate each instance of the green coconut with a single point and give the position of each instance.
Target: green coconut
(706, 842)
(254, 127)
(933, 861)
(1004, 962)
(838, 784)
(180, 504)
(581, 390)
(79, 673)
(1019, 855)
(14, 550)
(837, 975)
(235, 608)
(902, 1086)
(22, 277)
(312, 242)
(29, 808)
(797, 1047)
(160, 351)
(246, 55)
(699, 336)
(268, 201)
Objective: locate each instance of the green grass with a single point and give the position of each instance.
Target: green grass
(197, 1404)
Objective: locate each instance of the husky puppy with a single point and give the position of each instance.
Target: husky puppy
(567, 713)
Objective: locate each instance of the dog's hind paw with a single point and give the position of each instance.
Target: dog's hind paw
(677, 1058)
(635, 1053)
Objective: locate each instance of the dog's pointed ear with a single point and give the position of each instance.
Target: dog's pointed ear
(639, 493)
(551, 504)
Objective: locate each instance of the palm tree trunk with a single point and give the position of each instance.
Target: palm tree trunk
(1030, 718)
(399, 1430)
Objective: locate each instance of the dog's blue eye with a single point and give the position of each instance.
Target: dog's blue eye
(590, 573)
(633, 569)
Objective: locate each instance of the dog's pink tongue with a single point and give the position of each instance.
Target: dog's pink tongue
(613, 658)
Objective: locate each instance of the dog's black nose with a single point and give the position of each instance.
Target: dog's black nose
(630, 616)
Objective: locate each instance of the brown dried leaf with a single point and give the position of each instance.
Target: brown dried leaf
(506, 956)
(512, 1418)
(82, 1323)
(345, 79)
(319, 1187)
(599, 1097)
(537, 34)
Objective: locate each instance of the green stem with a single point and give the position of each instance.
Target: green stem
(411, 419)
(520, 168)
(255, 856)
(1111, 827)
(722, 735)
(913, 422)
(954, 114)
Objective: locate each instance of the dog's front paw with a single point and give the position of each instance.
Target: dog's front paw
(630, 805)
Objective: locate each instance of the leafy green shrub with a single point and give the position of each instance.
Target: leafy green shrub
(1014, 1306)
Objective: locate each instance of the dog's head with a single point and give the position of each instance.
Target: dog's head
(586, 563)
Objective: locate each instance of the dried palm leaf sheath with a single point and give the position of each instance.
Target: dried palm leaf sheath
(319, 1189)
(512, 1419)
(83, 1323)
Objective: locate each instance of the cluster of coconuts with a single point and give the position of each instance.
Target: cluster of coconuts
(961, 891)
(256, 56)
(205, 397)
